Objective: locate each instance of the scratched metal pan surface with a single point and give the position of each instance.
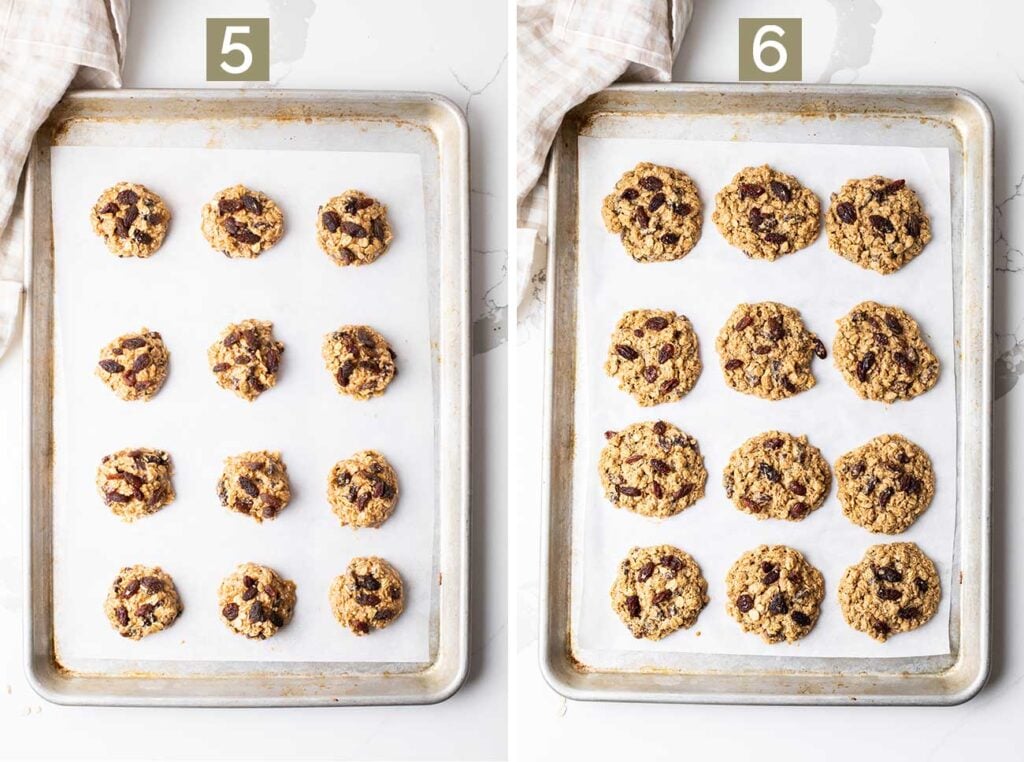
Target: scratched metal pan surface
(909, 116)
(419, 123)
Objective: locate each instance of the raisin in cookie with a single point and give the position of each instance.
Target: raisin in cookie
(655, 356)
(255, 601)
(131, 219)
(368, 596)
(142, 600)
(246, 357)
(658, 590)
(242, 223)
(353, 229)
(655, 211)
(882, 354)
(885, 484)
(256, 484)
(135, 482)
(877, 223)
(777, 475)
(363, 489)
(895, 588)
(653, 469)
(766, 351)
(766, 213)
(774, 591)
(135, 365)
(360, 361)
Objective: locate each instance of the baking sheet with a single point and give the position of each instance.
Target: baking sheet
(706, 285)
(189, 293)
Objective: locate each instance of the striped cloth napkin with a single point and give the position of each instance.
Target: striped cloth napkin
(46, 46)
(568, 50)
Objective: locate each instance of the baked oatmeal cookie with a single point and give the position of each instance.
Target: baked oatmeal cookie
(134, 365)
(653, 469)
(658, 590)
(775, 592)
(655, 211)
(885, 484)
(882, 354)
(255, 601)
(256, 484)
(135, 482)
(131, 220)
(360, 361)
(894, 588)
(363, 490)
(877, 223)
(246, 357)
(655, 356)
(766, 213)
(242, 223)
(777, 475)
(353, 228)
(765, 350)
(142, 600)
(368, 596)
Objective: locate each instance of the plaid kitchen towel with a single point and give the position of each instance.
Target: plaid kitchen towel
(568, 50)
(46, 46)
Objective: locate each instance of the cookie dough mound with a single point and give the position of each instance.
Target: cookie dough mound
(131, 220)
(242, 223)
(142, 600)
(658, 590)
(363, 489)
(655, 356)
(246, 357)
(777, 475)
(255, 601)
(655, 211)
(766, 351)
(353, 229)
(135, 365)
(135, 482)
(895, 588)
(766, 213)
(360, 361)
(368, 596)
(773, 591)
(653, 469)
(256, 484)
(882, 354)
(877, 223)
(885, 484)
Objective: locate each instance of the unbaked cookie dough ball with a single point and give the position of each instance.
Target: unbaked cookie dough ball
(363, 489)
(360, 361)
(255, 484)
(255, 601)
(142, 600)
(134, 365)
(242, 223)
(353, 229)
(246, 357)
(135, 482)
(131, 220)
(368, 596)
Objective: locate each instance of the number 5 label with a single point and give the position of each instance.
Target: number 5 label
(771, 50)
(237, 50)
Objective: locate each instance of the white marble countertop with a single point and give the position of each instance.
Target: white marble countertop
(935, 42)
(454, 47)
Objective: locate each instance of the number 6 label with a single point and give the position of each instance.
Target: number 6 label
(771, 50)
(237, 50)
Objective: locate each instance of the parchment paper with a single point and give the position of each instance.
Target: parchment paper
(189, 292)
(706, 286)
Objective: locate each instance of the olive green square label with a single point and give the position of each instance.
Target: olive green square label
(237, 50)
(771, 50)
